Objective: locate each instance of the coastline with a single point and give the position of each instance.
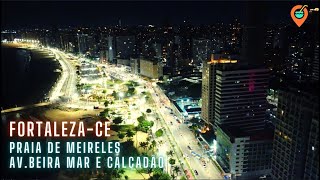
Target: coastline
(23, 85)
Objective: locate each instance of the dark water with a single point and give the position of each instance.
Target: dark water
(23, 82)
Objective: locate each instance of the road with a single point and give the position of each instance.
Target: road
(179, 134)
(184, 138)
(66, 86)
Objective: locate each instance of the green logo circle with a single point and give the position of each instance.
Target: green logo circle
(299, 14)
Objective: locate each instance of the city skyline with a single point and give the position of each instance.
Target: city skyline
(104, 13)
(216, 90)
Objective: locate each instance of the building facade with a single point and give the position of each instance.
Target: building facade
(82, 43)
(315, 64)
(243, 155)
(111, 47)
(201, 50)
(151, 68)
(125, 46)
(240, 96)
(296, 146)
(208, 87)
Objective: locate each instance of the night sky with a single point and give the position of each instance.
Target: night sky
(42, 14)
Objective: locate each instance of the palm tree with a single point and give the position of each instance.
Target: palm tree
(170, 153)
(176, 169)
(148, 138)
(172, 161)
(106, 103)
(129, 134)
(116, 173)
(144, 145)
(120, 135)
(104, 92)
(118, 120)
(153, 144)
(105, 113)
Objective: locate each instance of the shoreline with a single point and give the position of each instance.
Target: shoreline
(22, 88)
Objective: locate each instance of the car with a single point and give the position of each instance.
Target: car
(95, 107)
(196, 172)
(189, 147)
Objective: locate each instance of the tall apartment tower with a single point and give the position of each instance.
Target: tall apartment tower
(208, 87)
(315, 63)
(240, 96)
(111, 51)
(234, 103)
(234, 94)
(253, 33)
(296, 138)
(201, 50)
(125, 47)
(82, 43)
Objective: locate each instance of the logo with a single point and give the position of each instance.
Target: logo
(299, 14)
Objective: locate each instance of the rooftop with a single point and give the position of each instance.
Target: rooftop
(235, 132)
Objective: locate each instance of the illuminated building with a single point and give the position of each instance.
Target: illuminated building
(244, 155)
(103, 56)
(134, 65)
(151, 68)
(240, 96)
(315, 65)
(208, 88)
(234, 103)
(82, 43)
(111, 51)
(201, 50)
(234, 94)
(296, 139)
(125, 46)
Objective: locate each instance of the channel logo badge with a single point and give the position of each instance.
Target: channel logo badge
(299, 14)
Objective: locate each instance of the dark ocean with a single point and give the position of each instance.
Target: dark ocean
(25, 80)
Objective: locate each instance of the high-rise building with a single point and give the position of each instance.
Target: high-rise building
(234, 94)
(208, 87)
(69, 42)
(103, 56)
(296, 138)
(125, 46)
(111, 51)
(253, 33)
(201, 50)
(158, 50)
(151, 68)
(234, 103)
(315, 64)
(244, 155)
(135, 65)
(240, 96)
(82, 43)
